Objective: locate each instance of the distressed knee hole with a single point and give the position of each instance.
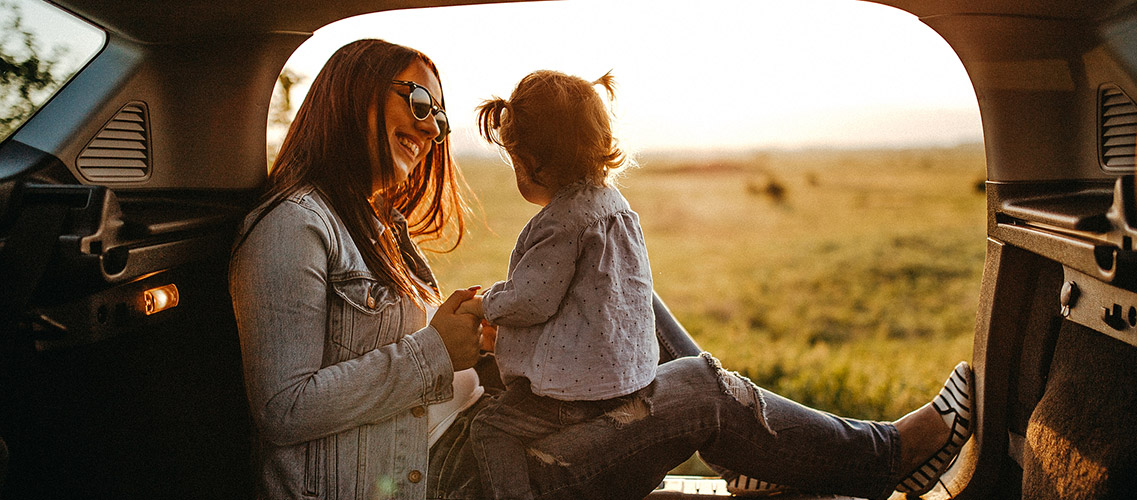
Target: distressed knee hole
(741, 389)
(546, 458)
(636, 409)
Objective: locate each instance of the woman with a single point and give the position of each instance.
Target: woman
(349, 385)
(339, 361)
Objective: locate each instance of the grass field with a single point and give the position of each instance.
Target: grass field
(846, 280)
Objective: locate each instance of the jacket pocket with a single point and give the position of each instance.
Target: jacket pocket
(364, 314)
(314, 470)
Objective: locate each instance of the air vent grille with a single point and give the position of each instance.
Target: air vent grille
(121, 150)
(1118, 129)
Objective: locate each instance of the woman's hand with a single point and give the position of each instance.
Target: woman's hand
(488, 330)
(473, 306)
(459, 330)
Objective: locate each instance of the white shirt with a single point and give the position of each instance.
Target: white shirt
(467, 390)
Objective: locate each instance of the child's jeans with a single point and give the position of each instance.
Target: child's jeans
(500, 434)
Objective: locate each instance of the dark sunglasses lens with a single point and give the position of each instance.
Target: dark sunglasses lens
(420, 103)
(422, 107)
(443, 125)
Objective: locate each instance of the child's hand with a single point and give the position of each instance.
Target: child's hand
(488, 338)
(472, 306)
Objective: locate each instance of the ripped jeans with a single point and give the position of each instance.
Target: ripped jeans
(693, 405)
(502, 432)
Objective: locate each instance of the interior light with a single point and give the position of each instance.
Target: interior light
(159, 299)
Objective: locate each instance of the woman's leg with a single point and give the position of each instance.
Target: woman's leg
(810, 450)
(923, 432)
(694, 405)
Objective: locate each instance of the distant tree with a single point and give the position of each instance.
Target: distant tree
(281, 112)
(770, 187)
(27, 77)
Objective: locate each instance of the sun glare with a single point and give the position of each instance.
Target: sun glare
(719, 74)
(808, 190)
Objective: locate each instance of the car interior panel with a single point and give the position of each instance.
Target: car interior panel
(134, 176)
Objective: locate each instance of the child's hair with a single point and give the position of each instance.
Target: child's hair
(558, 123)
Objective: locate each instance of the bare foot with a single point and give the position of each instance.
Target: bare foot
(922, 433)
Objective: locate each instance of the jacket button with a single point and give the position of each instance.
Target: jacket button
(371, 302)
(414, 476)
(418, 411)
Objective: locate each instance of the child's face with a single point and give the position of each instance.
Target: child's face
(532, 192)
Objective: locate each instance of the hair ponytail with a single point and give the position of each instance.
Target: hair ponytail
(489, 119)
(609, 83)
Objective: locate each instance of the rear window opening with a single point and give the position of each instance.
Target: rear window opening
(810, 175)
(41, 47)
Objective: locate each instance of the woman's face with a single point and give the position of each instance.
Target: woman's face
(409, 137)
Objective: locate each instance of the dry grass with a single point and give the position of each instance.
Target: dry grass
(846, 280)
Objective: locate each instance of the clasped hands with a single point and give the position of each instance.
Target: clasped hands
(461, 323)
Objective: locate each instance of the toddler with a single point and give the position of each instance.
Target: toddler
(576, 332)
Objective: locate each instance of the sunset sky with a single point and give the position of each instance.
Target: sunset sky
(716, 74)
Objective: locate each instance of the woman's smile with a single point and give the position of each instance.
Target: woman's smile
(409, 138)
(411, 146)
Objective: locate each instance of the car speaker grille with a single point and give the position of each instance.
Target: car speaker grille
(120, 152)
(1118, 129)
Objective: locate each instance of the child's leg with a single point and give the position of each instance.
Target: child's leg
(499, 435)
(456, 470)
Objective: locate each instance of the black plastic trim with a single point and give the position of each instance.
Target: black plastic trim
(17, 158)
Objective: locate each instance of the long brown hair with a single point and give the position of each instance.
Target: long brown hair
(338, 135)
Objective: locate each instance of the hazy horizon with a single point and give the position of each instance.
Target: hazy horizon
(709, 153)
(732, 75)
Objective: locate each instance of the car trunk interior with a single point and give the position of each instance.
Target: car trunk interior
(101, 399)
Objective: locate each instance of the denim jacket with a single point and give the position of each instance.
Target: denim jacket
(338, 366)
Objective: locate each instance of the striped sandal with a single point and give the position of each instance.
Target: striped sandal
(954, 404)
(743, 486)
(740, 485)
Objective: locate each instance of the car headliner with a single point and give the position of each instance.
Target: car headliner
(1017, 54)
(182, 20)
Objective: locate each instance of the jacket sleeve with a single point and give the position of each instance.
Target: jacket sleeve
(279, 286)
(539, 279)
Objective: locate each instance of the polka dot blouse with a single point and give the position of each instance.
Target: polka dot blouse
(574, 315)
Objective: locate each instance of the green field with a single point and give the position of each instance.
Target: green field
(846, 280)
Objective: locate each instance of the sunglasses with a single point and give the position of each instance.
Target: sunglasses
(423, 106)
